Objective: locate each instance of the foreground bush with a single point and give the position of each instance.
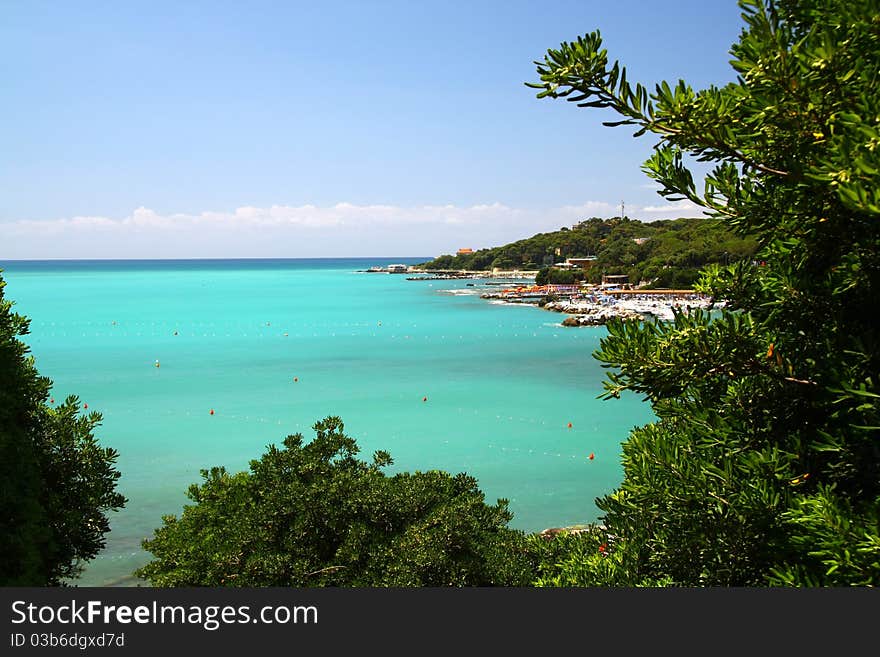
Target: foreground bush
(57, 484)
(313, 514)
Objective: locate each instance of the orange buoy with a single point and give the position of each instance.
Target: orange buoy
(592, 456)
(569, 425)
(212, 411)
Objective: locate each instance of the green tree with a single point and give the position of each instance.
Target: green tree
(763, 467)
(56, 483)
(313, 514)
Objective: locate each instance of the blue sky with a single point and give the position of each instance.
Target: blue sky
(312, 129)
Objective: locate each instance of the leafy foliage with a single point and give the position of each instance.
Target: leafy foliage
(56, 482)
(313, 514)
(764, 465)
(586, 557)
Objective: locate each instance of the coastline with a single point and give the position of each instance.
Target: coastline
(585, 305)
(654, 306)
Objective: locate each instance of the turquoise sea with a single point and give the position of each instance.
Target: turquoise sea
(502, 382)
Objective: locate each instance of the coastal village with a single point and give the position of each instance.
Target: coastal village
(586, 304)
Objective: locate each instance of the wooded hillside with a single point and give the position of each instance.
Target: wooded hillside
(671, 253)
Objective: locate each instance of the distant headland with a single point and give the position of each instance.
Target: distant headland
(598, 269)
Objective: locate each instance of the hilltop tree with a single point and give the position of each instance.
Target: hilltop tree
(313, 514)
(763, 467)
(56, 482)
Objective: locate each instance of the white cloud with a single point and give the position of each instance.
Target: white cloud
(343, 229)
(676, 206)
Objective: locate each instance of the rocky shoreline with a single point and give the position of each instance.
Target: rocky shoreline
(592, 308)
(597, 316)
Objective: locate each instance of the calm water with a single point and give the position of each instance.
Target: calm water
(502, 382)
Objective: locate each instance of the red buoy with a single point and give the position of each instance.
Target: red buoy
(569, 425)
(52, 401)
(212, 411)
(85, 405)
(592, 456)
(424, 399)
